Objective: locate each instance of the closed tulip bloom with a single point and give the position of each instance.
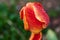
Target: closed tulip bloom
(35, 19)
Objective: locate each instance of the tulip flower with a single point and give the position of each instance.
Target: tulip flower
(35, 19)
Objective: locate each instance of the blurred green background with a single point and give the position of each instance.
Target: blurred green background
(12, 28)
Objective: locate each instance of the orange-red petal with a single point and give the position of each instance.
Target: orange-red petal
(38, 12)
(21, 13)
(34, 16)
(23, 17)
(36, 36)
(33, 23)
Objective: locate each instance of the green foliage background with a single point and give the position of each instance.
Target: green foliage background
(11, 27)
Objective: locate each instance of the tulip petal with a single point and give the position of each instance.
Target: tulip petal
(34, 16)
(34, 24)
(36, 36)
(21, 13)
(40, 14)
(22, 16)
(26, 27)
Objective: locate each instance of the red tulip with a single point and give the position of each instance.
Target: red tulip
(35, 19)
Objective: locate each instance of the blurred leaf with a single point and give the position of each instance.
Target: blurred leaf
(3, 10)
(12, 2)
(51, 35)
(1, 23)
(31, 0)
(52, 13)
(3, 7)
(45, 30)
(6, 35)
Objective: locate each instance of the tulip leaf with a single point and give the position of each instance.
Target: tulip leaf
(51, 35)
